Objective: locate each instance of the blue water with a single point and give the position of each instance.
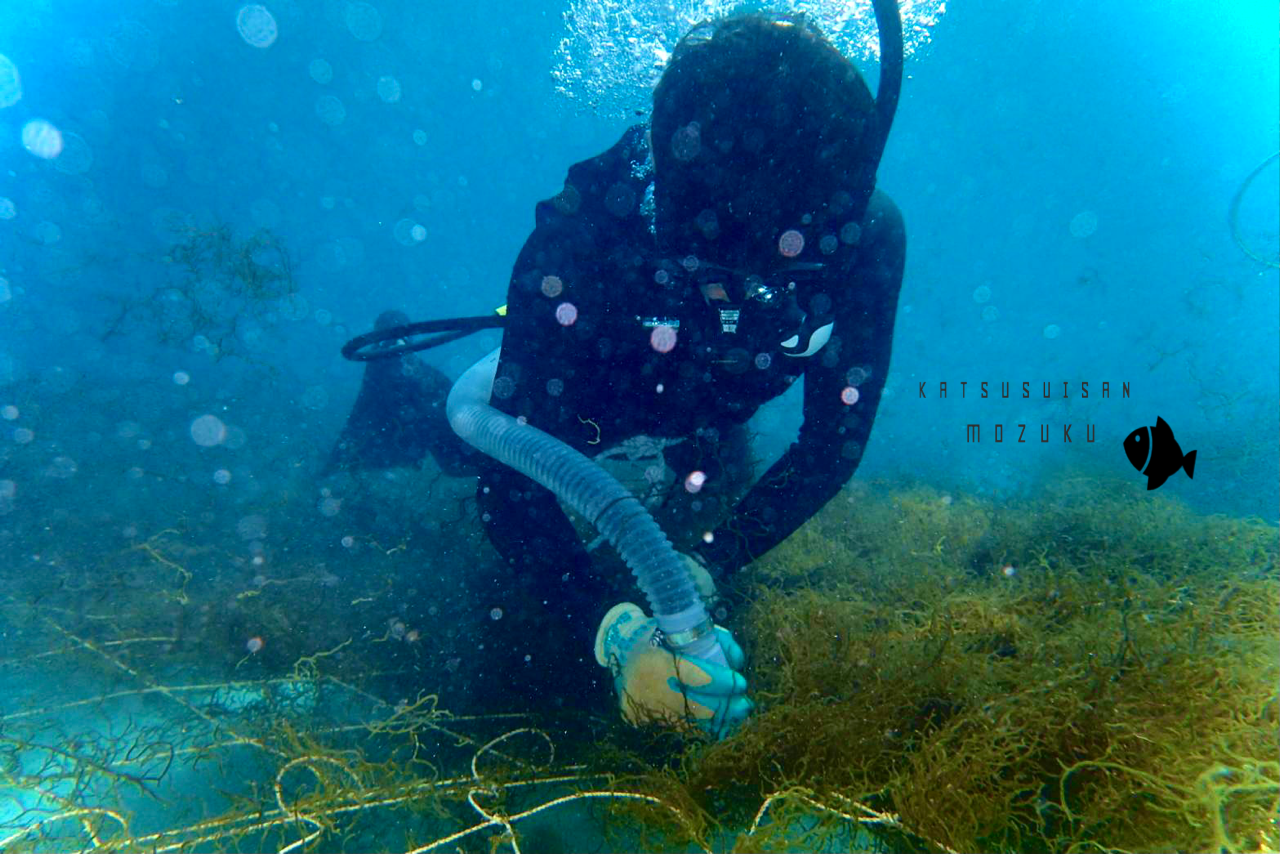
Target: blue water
(1142, 117)
(1064, 169)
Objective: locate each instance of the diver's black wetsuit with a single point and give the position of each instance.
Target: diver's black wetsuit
(579, 361)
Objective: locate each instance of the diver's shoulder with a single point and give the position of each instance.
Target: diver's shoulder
(628, 158)
(609, 190)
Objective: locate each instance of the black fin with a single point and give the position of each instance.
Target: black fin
(1189, 463)
(398, 418)
(1163, 432)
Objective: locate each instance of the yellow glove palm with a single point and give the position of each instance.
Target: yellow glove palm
(655, 684)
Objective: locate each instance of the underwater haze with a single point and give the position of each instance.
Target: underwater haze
(201, 202)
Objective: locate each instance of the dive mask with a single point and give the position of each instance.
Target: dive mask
(765, 308)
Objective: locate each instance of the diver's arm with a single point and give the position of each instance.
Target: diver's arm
(522, 519)
(834, 434)
(556, 309)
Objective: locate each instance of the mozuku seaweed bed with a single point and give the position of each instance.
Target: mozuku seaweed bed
(1094, 670)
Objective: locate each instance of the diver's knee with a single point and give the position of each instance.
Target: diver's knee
(882, 220)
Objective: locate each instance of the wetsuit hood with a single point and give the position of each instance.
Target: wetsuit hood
(761, 127)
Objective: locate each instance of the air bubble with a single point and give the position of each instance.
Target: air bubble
(61, 468)
(686, 142)
(610, 55)
(403, 232)
(663, 339)
(331, 110)
(1084, 224)
(320, 71)
(42, 139)
(10, 83)
(389, 89)
(566, 314)
(503, 387)
(551, 286)
(791, 243)
(364, 21)
(208, 431)
(257, 26)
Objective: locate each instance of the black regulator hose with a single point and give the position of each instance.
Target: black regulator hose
(889, 24)
(398, 340)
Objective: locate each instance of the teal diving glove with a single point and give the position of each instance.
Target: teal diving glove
(655, 684)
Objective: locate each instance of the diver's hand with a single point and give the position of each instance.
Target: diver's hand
(655, 684)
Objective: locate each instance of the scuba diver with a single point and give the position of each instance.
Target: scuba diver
(694, 271)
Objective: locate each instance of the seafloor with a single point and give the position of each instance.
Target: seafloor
(1095, 669)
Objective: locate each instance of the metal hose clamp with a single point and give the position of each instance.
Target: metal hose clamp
(680, 640)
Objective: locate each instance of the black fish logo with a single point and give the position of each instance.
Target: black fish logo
(1154, 452)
